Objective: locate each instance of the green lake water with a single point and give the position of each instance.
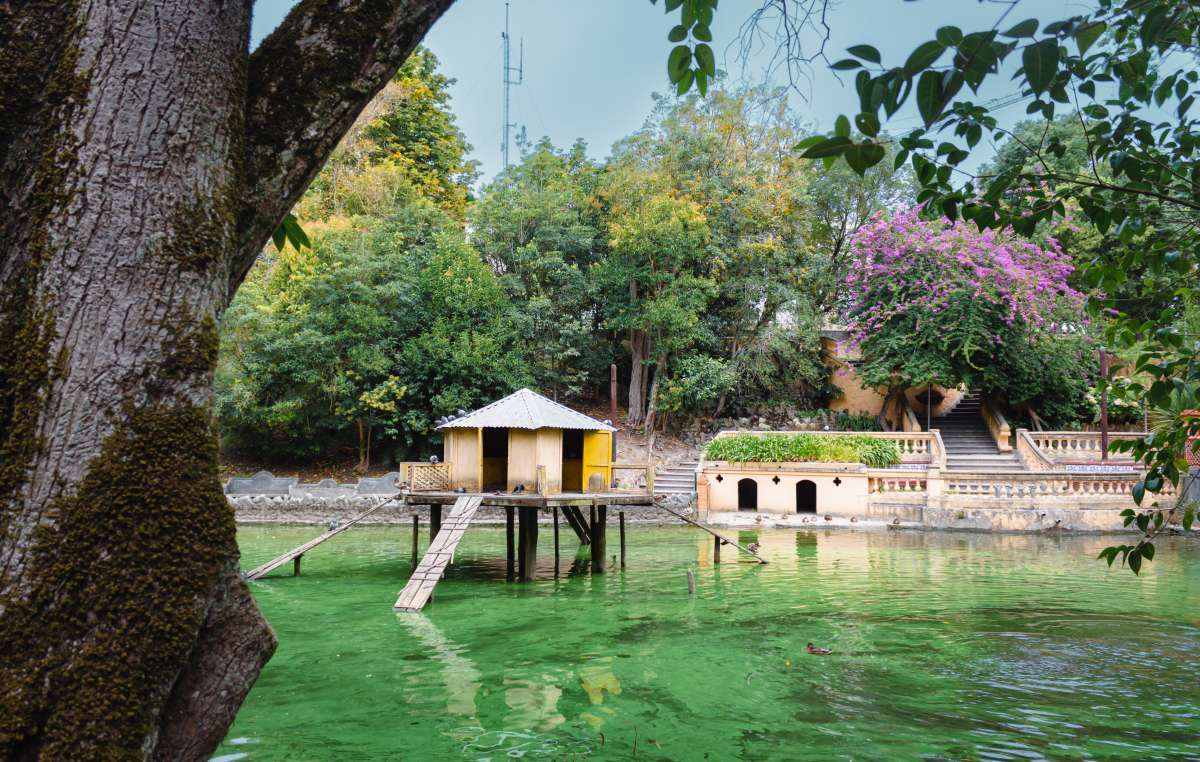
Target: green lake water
(946, 647)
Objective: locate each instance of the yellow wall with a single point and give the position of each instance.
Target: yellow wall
(460, 449)
(597, 458)
(549, 454)
(522, 459)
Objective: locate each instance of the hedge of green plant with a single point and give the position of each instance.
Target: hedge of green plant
(778, 448)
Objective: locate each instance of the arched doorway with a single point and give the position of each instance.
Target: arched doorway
(747, 495)
(806, 496)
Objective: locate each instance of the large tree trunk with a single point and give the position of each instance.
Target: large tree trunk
(144, 160)
(639, 353)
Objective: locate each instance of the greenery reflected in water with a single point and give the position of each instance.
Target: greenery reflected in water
(947, 646)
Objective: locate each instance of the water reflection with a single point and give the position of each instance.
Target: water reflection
(946, 646)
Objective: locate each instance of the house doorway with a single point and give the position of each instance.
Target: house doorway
(495, 459)
(806, 496)
(747, 495)
(572, 460)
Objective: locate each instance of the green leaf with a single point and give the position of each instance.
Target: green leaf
(685, 82)
(1026, 28)
(923, 57)
(279, 237)
(929, 96)
(949, 35)
(1087, 35)
(679, 62)
(1041, 64)
(865, 52)
(702, 32)
(671, 5)
(868, 124)
(678, 33)
(1135, 561)
(706, 60)
(863, 156)
(1148, 551)
(846, 64)
(841, 126)
(827, 147)
(702, 83)
(808, 142)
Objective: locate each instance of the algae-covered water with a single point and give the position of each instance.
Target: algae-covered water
(946, 646)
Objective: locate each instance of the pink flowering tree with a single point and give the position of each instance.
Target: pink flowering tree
(935, 301)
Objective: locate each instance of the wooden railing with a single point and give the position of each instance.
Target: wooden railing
(426, 477)
(1071, 446)
(646, 468)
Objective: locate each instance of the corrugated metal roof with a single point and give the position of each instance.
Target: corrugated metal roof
(525, 409)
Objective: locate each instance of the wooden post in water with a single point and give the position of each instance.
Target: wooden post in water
(598, 538)
(691, 582)
(296, 565)
(416, 537)
(508, 536)
(435, 521)
(621, 516)
(556, 539)
(527, 547)
(716, 549)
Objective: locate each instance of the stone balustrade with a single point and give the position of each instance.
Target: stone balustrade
(1075, 446)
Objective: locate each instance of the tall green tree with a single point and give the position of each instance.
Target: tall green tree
(538, 226)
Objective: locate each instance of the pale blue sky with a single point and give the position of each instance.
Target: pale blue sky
(592, 65)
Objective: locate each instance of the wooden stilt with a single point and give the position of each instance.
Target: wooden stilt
(508, 528)
(576, 521)
(527, 544)
(416, 539)
(435, 521)
(598, 538)
(555, 539)
(716, 550)
(621, 516)
(691, 582)
(296, 565)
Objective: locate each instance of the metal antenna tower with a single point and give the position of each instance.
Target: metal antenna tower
(508, 82)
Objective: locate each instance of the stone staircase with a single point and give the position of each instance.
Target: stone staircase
(679, 479)
(969, 444)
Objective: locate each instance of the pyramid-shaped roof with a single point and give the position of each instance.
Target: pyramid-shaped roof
(526, 409)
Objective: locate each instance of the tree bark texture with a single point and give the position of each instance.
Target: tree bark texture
(639, 353)
(145, 158)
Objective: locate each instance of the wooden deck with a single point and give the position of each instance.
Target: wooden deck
(533, 500)
(437, 557)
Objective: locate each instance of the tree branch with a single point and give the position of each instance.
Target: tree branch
(306, 83)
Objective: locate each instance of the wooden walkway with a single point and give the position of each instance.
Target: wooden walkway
(295, 553)
(437, 557)
(721, 540)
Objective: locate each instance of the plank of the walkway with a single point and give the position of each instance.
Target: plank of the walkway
(724, 540)
(275, 563)
(437, 557)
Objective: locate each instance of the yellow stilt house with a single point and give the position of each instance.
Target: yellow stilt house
(528, 442)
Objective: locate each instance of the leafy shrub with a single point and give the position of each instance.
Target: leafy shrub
(778, 448)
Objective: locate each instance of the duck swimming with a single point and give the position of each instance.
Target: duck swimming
(815, 651)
